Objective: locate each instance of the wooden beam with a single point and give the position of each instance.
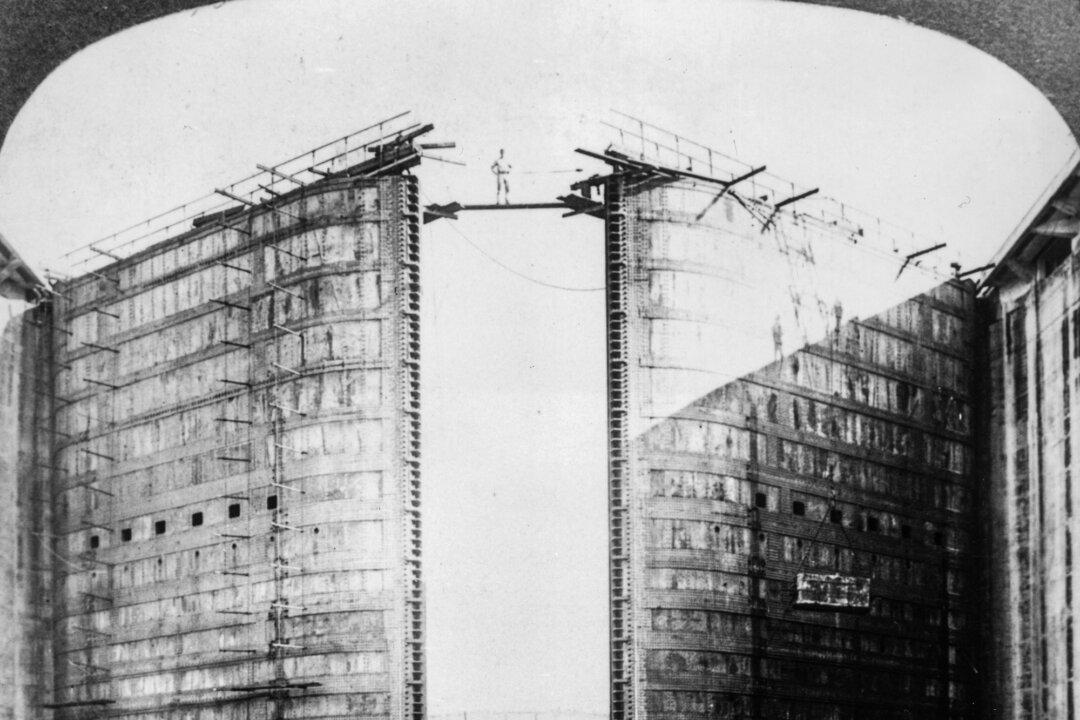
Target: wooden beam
(280, 174)
(517, 206)
(106, 253)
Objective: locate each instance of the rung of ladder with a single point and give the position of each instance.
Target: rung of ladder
(233, 535)
(286, 291)
(98, 490)
(234, 572)
(102, 383)
(84, 483)
(283, 526)
(101, 347)
(234, 420)
(238, 650)
(235, 612)
(234, 382)
(228, 303)
(97, 561)
(295, 411)
(275, 248)
(98, 597)
(83, 666)
(110, 458)
(282, 328)
(234, 267)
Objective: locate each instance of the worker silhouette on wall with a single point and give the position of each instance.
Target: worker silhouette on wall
(501, 169)
(778, 339)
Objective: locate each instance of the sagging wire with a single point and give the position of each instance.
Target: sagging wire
(504, 266)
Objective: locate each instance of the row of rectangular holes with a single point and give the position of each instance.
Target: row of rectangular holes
(837, 516)
(196, 520)
(797, 508)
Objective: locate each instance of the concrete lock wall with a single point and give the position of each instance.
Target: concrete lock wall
(1034, 350)
(25, 534)
(759, 430)
(237, 492)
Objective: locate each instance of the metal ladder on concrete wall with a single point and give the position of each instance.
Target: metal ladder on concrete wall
(415, 701)
(276, 414)
(243, 452)
(279, 414)
(93, 642)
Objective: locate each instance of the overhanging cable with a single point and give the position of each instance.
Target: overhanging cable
(520, 274)
(504, 266)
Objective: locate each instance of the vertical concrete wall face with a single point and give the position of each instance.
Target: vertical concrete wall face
(1034, 350)
(238, 468)
(25, 557)
(760, 436)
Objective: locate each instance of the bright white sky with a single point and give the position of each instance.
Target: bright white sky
(893, 119)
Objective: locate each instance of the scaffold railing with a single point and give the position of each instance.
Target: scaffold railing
(770, 192)
(270, 180)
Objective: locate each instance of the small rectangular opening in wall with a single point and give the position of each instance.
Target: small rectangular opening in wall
(905, 531)
(798, 507)
(125, 535)
(271, 502)
(836, 516)
(759, 499)
(196, 519)
(234, 510)
(939, 538)
(94, 541)
(159, 527)
(872, 524)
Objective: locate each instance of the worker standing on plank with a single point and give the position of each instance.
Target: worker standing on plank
(501, 169)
